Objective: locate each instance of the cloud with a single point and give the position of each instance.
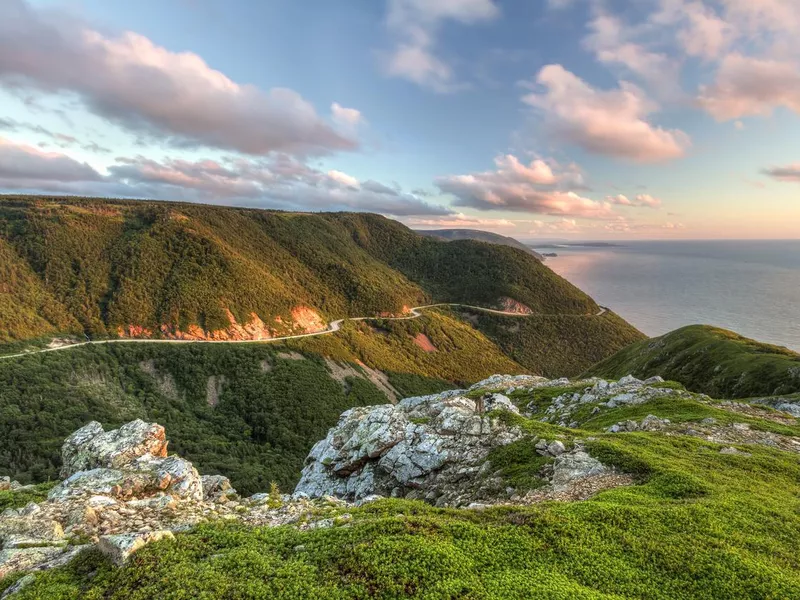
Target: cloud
(281, 181)
(748, 86)
(612, 43)
(347, 116)
(641, 200)
(461, 221)
(21, 165)
(790, 173)
(414, 25)
(514, 186)
(152, 91)
(562, 225)
(604, 122)
(344, 179)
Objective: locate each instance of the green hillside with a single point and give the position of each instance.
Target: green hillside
(557, 345)
(250, 411)
(706, 359)
(155, 268)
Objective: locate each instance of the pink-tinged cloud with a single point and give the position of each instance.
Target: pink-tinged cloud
(604, 122)
(748, 86)
(153, 91)
(281, 181)
(460, 221)
(641, 200)
(789, 173)
(21, 165)
(514, 186)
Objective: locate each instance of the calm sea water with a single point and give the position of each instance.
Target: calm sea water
(751, 287)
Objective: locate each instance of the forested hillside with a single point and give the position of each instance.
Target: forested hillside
(155, 269)
(250, 411)
(707, 359)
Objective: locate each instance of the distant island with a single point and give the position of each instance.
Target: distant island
(576, 245)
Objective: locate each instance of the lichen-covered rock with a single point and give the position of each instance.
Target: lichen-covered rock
(217, 488)
(91, 447)
(119, 548)
(573, 466)
(424, 447)
(13, 560)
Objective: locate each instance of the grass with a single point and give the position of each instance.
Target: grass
(700, 525)
(697, 524)
(713, 361)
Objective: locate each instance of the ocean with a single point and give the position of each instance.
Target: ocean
(751, 287)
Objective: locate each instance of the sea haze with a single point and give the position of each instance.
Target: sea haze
(751, 287)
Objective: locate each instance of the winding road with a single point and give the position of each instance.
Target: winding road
(332, 328)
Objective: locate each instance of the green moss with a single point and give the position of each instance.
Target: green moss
(520, 464)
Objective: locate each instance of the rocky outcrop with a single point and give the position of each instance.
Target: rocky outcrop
(121, 492)
(126, 463)
(91, 447)
(435, 448)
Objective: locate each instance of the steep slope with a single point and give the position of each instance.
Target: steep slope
(557, 345)
(251, 411)
(156, 269)
(706, 359)
(466, 270)
(478, 236)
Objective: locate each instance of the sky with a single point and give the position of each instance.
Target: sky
(538, 119)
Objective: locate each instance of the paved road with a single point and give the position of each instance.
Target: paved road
(332, 328)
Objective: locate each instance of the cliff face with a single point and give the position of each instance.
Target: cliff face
(302, 320)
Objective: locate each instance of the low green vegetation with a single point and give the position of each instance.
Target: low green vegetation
(557, 345)
(696, 524)
(713, 361)
(19, 498)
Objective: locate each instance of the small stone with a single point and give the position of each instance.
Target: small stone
(556, 448)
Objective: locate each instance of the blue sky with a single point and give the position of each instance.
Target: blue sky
(584, 119)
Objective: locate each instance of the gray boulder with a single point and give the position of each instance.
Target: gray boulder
(91, 447)
(428, 447)
(573, 466)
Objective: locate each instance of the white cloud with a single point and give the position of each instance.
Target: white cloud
(348, 117)
(145, 88)
(604, 122)
(748, 86)
(414, 24)
(613, 42)
(514, 186)
(461, 221)
(345, 179)
(641, 200)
